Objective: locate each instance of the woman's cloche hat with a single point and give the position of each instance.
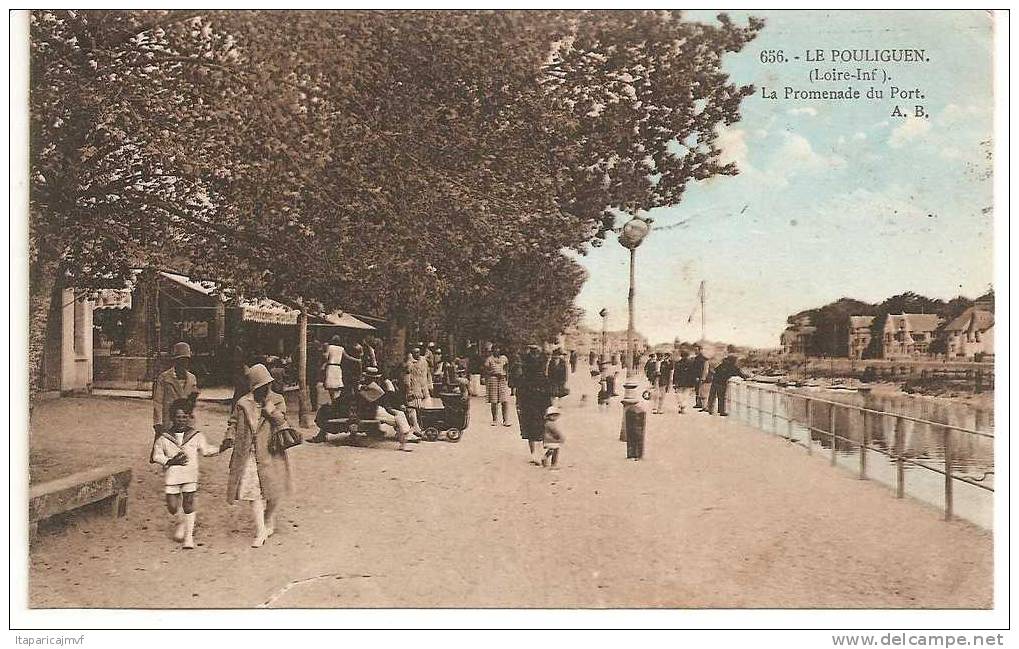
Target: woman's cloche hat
(258, 376)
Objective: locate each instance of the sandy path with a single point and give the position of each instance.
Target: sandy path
(718, 515)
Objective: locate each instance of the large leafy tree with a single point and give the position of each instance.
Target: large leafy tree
(139, 150)
(397, 162)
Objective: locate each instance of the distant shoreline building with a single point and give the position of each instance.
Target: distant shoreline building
(907, 335)
(859, 335)
(798, 337)
(971, 333)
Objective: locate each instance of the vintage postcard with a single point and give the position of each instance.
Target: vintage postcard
(653, 310)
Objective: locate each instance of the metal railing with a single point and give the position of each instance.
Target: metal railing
(741, 394)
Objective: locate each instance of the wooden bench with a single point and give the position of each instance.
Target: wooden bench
(108, 485)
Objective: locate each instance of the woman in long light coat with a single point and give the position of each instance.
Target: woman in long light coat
(256, 475)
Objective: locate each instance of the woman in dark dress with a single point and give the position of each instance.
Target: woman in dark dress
(558, 374)
(533, 398)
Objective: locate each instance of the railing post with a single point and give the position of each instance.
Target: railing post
(900, 466)
(863, 448)
(774, 412)
(760, 409)
(831, 430)
(948, 474)
(810, 426)
(789, 416)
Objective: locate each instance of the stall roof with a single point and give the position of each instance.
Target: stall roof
(204, 287)
(342, 319)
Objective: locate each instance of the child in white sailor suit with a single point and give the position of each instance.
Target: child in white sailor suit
(178, 449)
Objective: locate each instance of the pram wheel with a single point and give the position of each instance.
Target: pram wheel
(431, 434)
(454, 434)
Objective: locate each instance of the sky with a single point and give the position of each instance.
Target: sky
(834, 199)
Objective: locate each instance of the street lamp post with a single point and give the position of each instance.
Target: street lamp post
(604, 313)
(631, 236)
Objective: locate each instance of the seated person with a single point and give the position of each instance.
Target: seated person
(339, 408)
(379, 397)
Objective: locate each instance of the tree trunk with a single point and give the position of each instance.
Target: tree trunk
(304, 407)
(44, 295)
(396, 339)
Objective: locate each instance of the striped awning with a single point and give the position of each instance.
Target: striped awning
(266, 311)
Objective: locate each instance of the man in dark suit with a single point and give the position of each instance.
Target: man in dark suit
(665, 367)
(727, 369)
(700, 372)
(684, 379)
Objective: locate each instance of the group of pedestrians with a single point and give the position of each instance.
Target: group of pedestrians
(538, 381)
(707, 381)
(258, 431)
(393, 398)
(259, 471)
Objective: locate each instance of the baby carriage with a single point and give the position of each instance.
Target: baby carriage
(450, 418)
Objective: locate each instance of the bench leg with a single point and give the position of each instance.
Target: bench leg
(118, 505)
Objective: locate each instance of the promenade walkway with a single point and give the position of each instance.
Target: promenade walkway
(717, 515)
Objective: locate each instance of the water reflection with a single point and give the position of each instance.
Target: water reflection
(972, 455)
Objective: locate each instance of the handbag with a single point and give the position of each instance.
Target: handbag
(282, 439)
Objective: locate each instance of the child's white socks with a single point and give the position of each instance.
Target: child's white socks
(179, 526)
(189, 531)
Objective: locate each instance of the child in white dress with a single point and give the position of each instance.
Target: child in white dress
(177, 449)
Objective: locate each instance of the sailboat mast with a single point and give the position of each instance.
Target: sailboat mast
(703, 331)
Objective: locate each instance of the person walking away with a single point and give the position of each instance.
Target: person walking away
(173, 384)
(496, 372)
(553, 438)
(313, 369)
(514, 373)
(443, 372)
(370, 357)
(177, 449)
(591, 358)
(430, 356)
(683, 379)
(727, 369)
(651, 368)
(475, 365)
(258, 475)
(353, 366)
(700, 371)
(665, 369)
(573, 361)
(558, 376)
(634, 427)
(533, 399)
(418, 386)
(332, 368)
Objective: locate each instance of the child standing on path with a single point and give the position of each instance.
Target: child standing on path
(604, 390)
(177, 449)
(553, 439)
